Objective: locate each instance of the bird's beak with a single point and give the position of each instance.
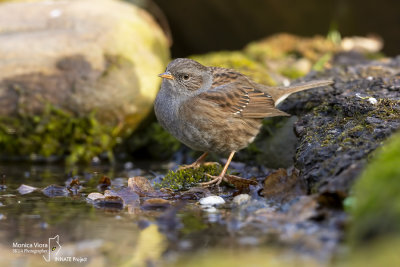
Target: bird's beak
(166, 75)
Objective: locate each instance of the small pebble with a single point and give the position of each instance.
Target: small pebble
(155, 203)
(26, 189)
(55, 191)
(212, 200)
(372, 100)
(96, 160)
(95, 195)
(241, 199)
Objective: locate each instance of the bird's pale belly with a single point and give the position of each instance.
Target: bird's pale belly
(221, 138)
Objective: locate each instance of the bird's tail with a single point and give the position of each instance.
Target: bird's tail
(281, 93)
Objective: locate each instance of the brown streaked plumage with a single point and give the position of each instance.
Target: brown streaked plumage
(213, 109)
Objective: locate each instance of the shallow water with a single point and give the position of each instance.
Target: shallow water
(180, 233)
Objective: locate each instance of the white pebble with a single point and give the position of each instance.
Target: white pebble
(94, 196)
(211, 200)
(372, 100)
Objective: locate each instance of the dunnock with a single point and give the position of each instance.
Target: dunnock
(213, 109)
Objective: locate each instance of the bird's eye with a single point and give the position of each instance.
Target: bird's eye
(186, 77)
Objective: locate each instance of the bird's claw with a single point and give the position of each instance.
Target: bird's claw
(215, 181)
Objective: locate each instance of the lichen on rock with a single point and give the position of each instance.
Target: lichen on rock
(345, 126)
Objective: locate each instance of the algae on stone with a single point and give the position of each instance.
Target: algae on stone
(54, 134)
(376, 208)
(104, 81)
(282, 45)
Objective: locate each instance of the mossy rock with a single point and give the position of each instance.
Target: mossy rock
(282, 45)
(89, 62)
(187, 178)
(376, 199)
(52, 135)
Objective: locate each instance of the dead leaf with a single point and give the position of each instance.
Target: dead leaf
(239, 182)
(74, 182)
(74, 186)
(105, 180)
(282, 187)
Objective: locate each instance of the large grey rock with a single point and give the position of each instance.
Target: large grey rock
(80, 56)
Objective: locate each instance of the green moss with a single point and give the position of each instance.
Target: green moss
(283, 45)
(292, 73)
(187, 178)
(239, 61)
(375, 56)
(376, 209)
(322, 61)
(54, 133)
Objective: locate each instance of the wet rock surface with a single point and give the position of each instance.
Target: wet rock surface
(344, 124)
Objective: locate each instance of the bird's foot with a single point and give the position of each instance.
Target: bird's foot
(216, 180)
(234, 180)
(196, 165)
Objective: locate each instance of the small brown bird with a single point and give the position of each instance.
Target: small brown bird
(214, 109)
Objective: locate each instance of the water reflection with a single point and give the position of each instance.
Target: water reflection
(84, 231)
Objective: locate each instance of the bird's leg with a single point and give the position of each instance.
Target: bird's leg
(218, 179)
(195, 164)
